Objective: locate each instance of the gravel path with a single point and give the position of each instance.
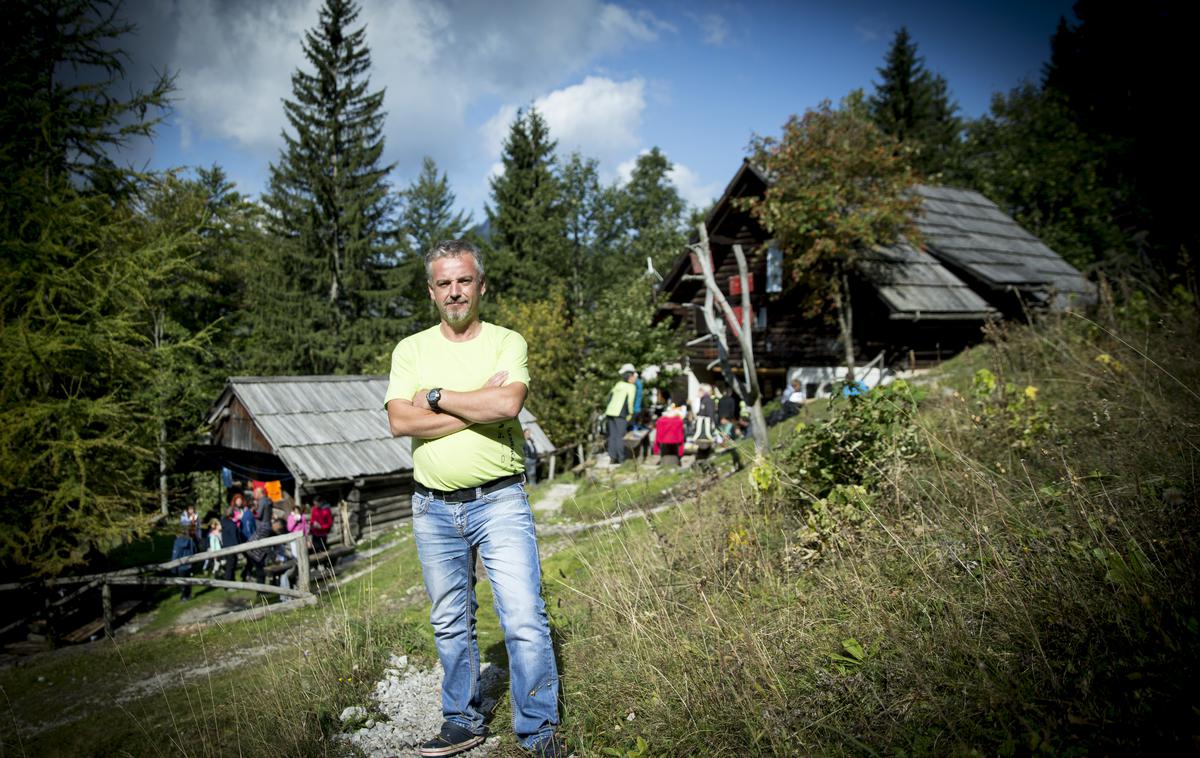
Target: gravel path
(555, 497)
(406, 710)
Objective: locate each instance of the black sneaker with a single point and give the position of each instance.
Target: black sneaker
(551, 747)
(453, 739)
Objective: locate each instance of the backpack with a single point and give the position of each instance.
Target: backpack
(183, 548)
(248, 525)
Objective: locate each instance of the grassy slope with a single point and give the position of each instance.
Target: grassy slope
(1025, 584)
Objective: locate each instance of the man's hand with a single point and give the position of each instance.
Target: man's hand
(421, 397)
(497, 380)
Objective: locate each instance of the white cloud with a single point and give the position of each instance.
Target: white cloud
(694, 190)
(436, 60)
(598, 117)
(235, 68)
(869, 28)
(713, 26)
(866, 33)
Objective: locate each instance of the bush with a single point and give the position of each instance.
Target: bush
(863, 436)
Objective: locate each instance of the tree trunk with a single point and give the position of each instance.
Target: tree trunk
(845, 310)
(162, 466)
(159, 317)
(758, 426)
(748, 390)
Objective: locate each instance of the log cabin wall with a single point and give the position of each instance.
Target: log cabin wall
(378, 505)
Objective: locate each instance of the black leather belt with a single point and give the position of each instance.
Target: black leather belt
(470, 493)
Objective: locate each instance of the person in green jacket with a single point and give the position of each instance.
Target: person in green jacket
(619, 411)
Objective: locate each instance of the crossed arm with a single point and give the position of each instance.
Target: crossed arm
(491, 402)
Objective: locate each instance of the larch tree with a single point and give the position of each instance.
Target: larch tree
(329, 193)
(81, 263)
(913, 105)
(837, 186)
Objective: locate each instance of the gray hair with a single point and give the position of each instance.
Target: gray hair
(452, 249)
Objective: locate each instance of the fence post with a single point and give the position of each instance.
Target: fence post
(348, 537)
(302, 581)
(553, 458)
(106, 608)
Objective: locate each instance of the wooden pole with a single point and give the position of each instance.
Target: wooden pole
(178, 581)
(106, 608)
(344, 512)
(553, 460)
(301, 545)
(714, 301)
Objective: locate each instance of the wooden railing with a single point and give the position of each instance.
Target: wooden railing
(144, 576)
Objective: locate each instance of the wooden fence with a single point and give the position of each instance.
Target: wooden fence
(144, 576)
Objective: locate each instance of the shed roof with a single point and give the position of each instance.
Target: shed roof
(330, 427)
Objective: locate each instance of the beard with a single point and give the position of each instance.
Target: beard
(456, 314)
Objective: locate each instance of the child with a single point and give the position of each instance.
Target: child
(296, 523)
(214, 543)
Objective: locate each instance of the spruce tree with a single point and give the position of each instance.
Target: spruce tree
(913, 105)
(428, 216)
(655, 212)
(329, 193)
(527, 215)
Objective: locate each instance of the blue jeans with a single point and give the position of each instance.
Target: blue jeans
(499, 527)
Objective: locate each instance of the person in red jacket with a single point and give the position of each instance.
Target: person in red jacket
(320, 524)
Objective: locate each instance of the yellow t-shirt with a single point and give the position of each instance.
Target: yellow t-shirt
(620, 399)
(481, 452)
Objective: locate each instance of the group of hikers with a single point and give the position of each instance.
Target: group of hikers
(713, 417)
(250, 515)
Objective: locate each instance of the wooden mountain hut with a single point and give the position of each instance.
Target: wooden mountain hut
(912, 306)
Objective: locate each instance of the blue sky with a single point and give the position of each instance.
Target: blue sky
(696, 79)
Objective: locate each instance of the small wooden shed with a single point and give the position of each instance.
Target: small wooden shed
(323, 435)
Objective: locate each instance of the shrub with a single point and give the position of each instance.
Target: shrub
(862, 437)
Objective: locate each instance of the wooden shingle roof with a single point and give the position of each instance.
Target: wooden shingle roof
(971, 235)
(913, 285)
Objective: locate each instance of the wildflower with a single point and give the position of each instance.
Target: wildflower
(1031, 392)
(1104, 359)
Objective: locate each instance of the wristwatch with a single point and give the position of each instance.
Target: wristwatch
(432, 397)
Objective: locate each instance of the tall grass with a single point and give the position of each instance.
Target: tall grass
(273, 686)
(1025, 581)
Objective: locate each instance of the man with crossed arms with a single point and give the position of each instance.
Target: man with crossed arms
(456, 389)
